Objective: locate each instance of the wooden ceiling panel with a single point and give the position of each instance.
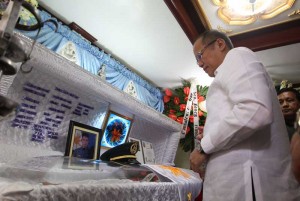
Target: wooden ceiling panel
(180, 13)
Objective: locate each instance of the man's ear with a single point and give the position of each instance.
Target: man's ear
(221, 44)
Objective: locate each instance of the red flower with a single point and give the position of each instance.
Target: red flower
(173, 116)
(179, 120)
(182, 107)
(168, 92)
(200, 113)
(176, 100)
(187, 130)
(175, 104)
(172, 111)
(191, 119)
(166, 99)
(200, 98)
(186, 90)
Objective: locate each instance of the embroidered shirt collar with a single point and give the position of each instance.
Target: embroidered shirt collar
(216, 72)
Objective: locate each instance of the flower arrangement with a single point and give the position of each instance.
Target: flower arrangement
(175, 104)
(3, 5)
(27, 17)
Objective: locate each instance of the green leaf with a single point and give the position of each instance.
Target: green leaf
(179, 114)
(187, 143)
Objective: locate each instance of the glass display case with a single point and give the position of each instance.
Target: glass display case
(59, 169)
(30, 139)
(67, 178)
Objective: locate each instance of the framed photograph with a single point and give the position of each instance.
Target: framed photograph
(79, 164)
(148, 151)
(139, 154)
(83, 141)
(115, 130)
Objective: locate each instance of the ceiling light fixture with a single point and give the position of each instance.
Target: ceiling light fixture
(248, 7)
(244, 12)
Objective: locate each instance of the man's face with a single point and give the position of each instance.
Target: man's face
(289, 103)
(210, 59)
(84, 142)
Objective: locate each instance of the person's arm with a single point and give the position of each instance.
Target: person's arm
(247, 86)
(197, 158)
(75, 152)
(295, 152)
(91, 152)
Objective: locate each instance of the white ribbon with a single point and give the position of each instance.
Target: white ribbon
(195, 111)
(187, 112)
(192, 100)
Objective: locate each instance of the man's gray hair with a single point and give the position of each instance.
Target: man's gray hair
(210, 35)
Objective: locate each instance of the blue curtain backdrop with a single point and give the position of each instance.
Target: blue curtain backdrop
(91, 59)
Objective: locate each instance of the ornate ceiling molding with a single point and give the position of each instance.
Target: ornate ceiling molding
(233, 19)
(284, 32)
(295, 12)
(279, 9)
(246, 13)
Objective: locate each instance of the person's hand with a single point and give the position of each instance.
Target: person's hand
(200, 133)
(197, 161)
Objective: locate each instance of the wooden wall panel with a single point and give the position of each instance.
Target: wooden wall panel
(275, 36)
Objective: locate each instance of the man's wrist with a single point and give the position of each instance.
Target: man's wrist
(199, 148)
(202, 151)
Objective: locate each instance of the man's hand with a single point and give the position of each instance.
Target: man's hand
(200, 133)
(196, 160)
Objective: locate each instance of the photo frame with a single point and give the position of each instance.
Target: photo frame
(79, 164)
(139, 154)
(83, 141)
(148, 152)
(116, 130)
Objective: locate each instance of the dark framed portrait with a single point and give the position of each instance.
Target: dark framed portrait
(79, 164)
(115, 130)
(83, 141)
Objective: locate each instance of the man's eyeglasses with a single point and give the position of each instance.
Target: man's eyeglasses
(199, 54)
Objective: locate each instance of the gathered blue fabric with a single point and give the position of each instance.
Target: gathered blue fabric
(92, 59)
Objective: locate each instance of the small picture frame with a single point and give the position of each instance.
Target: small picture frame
(148, 151)
(139, 154)
(115, 130)
(83, 141)
(80, 164)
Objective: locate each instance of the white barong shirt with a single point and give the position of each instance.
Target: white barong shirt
(245, 135)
